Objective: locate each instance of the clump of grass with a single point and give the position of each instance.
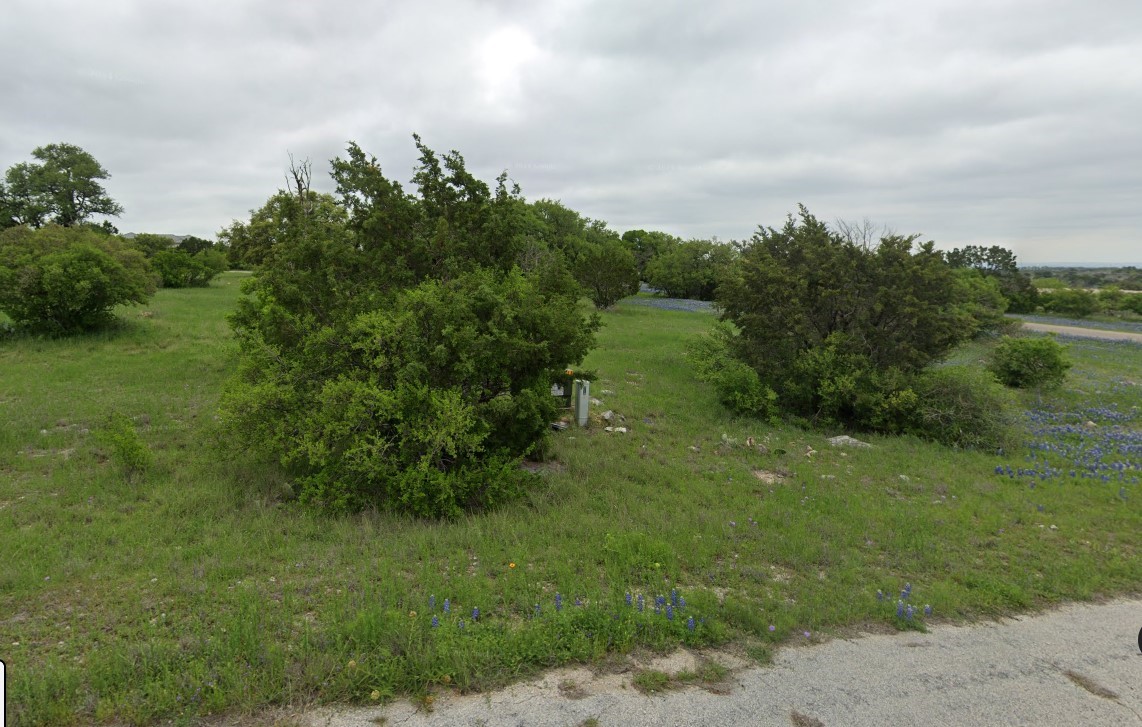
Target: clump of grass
(126, 448)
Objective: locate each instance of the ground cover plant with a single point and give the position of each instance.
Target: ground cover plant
(198, 585)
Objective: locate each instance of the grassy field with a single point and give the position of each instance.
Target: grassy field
(197, 587)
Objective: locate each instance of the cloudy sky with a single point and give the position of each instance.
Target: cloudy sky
(1010, 122)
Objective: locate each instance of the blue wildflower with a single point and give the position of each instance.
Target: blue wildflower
(927, 610)
(669, 612)
(628, 599)
(641, 603)
(475, 614)
(447, 606)
(558, 602)
(435, 622)
(690, 623)
(431, 602)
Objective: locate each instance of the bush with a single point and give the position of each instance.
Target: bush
(607, 271)
(178, 269)
(1028, 362)
(962, 407)
(738, 386)
(1077, 303)
(821, 317)
(62, 280)
(395, 353)
(689, 269)
(126, 448)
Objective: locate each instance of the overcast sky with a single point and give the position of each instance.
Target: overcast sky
(1009, 122)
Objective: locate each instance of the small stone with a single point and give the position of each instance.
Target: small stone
(608, 429)
(621, 430)
(606, 392)
(596, 402)
(608, 415)
(692, 448)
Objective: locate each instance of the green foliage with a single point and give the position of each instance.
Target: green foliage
(738, 386)
(962, 407)
(61, 187)
(690, 269)
(843, 332)
(150, 243)
(248, 244)
(1029, 362)
(194, 245)
(894, 308)
(61, 280)
(179, 269)
(1000, 264)
(1077, 303)
(398, 350)
(607, 271)
(125, 447)
(648, 245)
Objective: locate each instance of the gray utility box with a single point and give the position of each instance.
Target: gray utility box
(581, 401)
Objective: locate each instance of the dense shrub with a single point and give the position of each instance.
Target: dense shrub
(1077, 303)
(962, 407)
(400, 353)
(61, 280)
(689, 269)
(1029, 362)
(607, 272)
(843, 333)
(738, 386)
(178, 269)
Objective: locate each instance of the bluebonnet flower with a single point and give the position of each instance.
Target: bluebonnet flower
(578, 601)
(772, 628)
(537, 609)
(690, 623)
(669, 612)
(900, 609)
(435, 622)
(807, 634)
(681, 602)
(475, 614)
(461, 625)
(558, 602)
(927, 609)
(431, 602)
(628, 599)
(674, 596)
(641, 603)
(660, 600)
(879, 595)
(447, 606)
(908, 612)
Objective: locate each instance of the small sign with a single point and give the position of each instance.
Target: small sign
(556, 390)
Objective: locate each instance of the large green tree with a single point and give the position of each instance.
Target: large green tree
(62, 186)
(398, 349)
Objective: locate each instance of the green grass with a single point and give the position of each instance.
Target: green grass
(196, 586)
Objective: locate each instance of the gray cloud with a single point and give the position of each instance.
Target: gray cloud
(1007, 122)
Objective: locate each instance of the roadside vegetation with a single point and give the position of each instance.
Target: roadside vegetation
(192, 581)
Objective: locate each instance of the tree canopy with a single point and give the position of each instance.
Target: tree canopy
(62, 187)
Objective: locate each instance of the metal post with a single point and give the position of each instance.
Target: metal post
(582, 401)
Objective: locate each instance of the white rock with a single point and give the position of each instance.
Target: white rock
(846, 441)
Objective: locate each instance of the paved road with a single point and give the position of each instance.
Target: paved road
(1084, 332)
(1079, 665)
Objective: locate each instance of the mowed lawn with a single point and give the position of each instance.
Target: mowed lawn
(199, 587)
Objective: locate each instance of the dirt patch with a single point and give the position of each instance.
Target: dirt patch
(769, 478)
